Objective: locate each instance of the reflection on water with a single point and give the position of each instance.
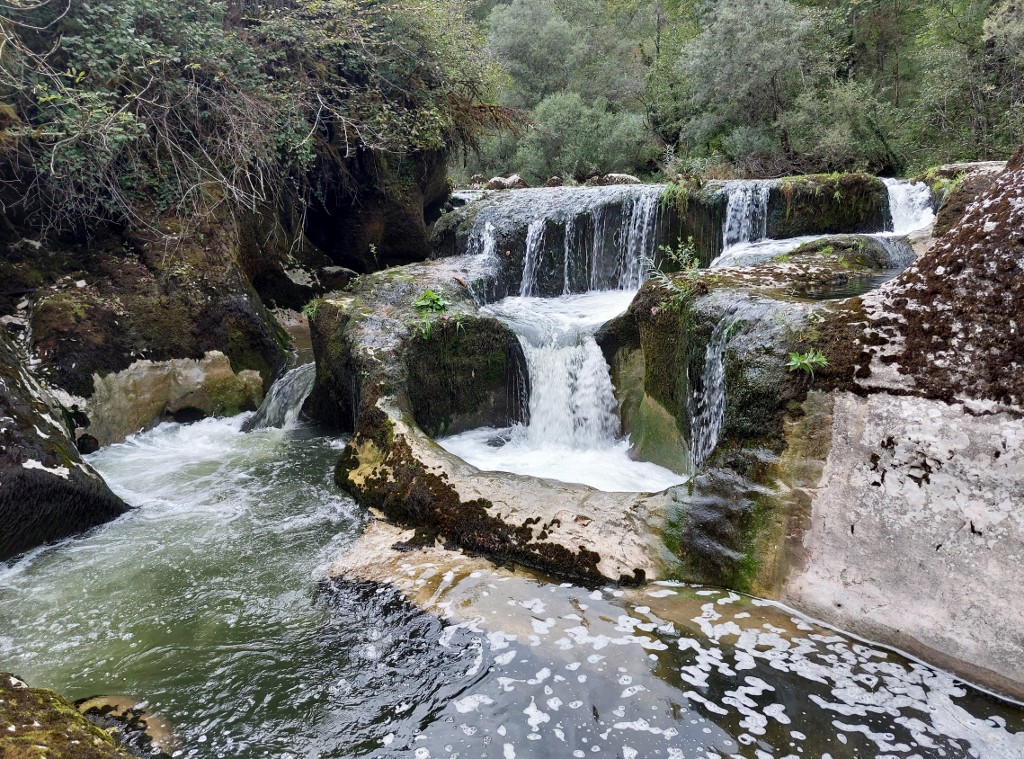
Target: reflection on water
(210, 602)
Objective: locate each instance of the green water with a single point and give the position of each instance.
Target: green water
(209, 602)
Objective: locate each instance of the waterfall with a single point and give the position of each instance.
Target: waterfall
(568, 252)
(572, 403)
(571, 239)
(638, 240)
(910, 204)
(534, 251)
(746, 215)
(283, 404)
(706, 403)
(573, 433)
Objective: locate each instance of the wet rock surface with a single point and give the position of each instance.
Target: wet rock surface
(46, 491)
(371, 348)
(663, 670)
(39, 723)
(149, 392)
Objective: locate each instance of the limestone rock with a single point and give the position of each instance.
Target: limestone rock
(149, 392)
(514, 182)
(606, 180)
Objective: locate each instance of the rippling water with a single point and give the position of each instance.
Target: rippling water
(210, 602)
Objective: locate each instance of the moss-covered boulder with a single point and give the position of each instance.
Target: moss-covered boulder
(46, 491)
(39, 723)
(821, 204)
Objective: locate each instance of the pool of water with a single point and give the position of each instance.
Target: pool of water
(210, 601)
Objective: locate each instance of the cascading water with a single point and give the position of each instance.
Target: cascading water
(746, 215)
(572, 240)
(574, 431)
(283, 405)
(534, 251)
(910, 204)
(745, 228)
(706, 403)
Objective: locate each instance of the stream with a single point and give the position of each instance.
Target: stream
(211, 603)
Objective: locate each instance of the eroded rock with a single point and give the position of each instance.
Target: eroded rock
(46, 491)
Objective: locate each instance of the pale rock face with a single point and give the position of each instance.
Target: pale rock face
(147, 392)
(915, 531)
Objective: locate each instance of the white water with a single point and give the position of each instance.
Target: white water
(911, 206)
(707, 403)
(746, 216)
(744, 230)
(608, 233)
(283, 405)
(574, 431)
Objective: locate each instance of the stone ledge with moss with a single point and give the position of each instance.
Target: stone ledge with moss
(842, 494)
(39, 723)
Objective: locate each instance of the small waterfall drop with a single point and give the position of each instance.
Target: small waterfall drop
(534, 251)
(910, 204)
(283, 405)
(746, 215)
(571, 239)
(573, 434)
(706, 403)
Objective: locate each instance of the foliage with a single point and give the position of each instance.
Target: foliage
(755, 87)
(678, 272)
(430, 302)
(124, 109)
(807, 362)
(310, 309)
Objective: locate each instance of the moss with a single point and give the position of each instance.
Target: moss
(828, 204)
(46, 724)
(463, 375)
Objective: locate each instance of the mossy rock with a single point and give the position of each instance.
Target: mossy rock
(821, 204)
(40, 723)
(46, 491)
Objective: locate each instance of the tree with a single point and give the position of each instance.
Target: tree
(746, 69)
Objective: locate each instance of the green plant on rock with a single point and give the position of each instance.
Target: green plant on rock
(430, 302)
(309, 310)
(685, 275)
(807, 362)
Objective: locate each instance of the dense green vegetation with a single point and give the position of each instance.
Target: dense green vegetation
(114, 111)
(754, 87)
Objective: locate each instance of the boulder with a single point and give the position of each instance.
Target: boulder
(606, 180)
(514, 182)
(554, 182)
(40, 723)
(46, 491)
(182, 389)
